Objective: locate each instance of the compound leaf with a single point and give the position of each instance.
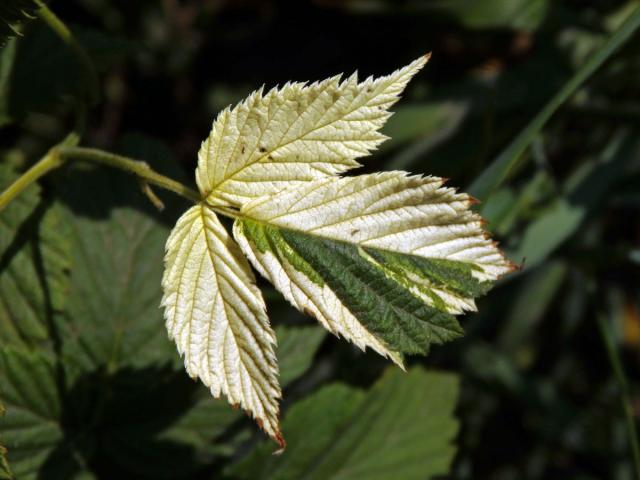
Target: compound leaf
(295, 134)
(385, 260)
(217, 317)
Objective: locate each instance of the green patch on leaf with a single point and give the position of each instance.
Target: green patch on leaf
(451, 275)
(386, 307)
(269, 239)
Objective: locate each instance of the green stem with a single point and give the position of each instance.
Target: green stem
(49, 162)
(625, 394)
(66, 151)
(137, 167)
(511, 157)
(60, 29)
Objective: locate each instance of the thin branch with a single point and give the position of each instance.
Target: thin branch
(625, 393)
(137, 167)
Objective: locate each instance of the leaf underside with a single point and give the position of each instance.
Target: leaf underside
(385, 260)
(296, 133)
(217, 317)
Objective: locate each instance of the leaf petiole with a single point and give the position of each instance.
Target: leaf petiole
(60, 154)
(47, 163)
(137, 167)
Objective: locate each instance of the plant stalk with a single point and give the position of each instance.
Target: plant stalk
(512, 156)
(62, 153)
(137, 167)
(625, 394)
(47, 163)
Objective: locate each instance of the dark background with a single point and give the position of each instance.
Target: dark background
(539, 399)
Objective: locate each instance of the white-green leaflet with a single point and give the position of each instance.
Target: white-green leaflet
(384, 260)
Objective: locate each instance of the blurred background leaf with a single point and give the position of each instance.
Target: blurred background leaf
(5, 471)
(34, 261)
(402, 427)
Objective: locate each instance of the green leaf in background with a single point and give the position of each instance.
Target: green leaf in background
(511, 157)
(516, 14)
(7, 57)
(34, 261)
(402, 428)
(209, 418)
(117, 237)
(13, 13)
(531, 303)
(524, 15)
(582, 194)
(419, 128)
(31, 428)
(117, 400)
(5, 471)
(295, 350)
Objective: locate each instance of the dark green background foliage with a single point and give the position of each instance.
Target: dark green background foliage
(92, 387)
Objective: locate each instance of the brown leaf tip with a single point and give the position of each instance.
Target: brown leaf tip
(473, 201)
(281, 442)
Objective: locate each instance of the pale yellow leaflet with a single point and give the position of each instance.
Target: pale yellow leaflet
(217, 317)
(294, 134)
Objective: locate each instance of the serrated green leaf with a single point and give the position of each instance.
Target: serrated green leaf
(160, 446)
(32, 429)
(217, 317)
(517, 14)
(512, 156)
(384, 260)
(296, 349)
(583, 193)
(402, 428)
(295, 134)
(5, 471)
(34, 260)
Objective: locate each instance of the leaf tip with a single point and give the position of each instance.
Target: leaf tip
(281, 442)
(473, 200)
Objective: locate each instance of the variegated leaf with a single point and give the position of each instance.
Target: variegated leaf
(385, 260)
